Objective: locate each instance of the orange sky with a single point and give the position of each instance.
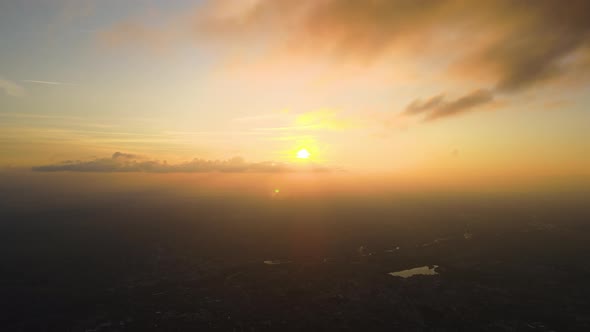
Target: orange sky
(446, 92)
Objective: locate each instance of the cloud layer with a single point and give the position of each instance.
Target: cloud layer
(506, 47)
(125, 162)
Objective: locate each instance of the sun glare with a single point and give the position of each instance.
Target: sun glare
(303, 154)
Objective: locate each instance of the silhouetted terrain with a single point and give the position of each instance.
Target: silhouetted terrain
(150, 260)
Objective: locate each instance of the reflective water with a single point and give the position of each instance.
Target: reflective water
(276, 262)
(423, 270)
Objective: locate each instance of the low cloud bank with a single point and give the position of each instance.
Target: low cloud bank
(125, 162)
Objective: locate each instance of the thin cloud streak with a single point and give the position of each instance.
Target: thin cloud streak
(46, 82)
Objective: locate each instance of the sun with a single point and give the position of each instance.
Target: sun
(303, 154)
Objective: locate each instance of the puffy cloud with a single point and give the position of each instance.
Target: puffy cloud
(437, 107)
(124, 162)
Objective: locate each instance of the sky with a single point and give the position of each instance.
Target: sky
(445, 91)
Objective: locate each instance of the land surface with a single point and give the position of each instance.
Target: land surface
(146, 261)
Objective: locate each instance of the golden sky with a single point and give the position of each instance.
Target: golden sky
(448, 91)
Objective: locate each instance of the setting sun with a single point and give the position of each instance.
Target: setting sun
(303, 154)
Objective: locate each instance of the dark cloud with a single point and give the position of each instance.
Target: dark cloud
(124, 162)
(437, 107)
(418, 106)
(544, 41)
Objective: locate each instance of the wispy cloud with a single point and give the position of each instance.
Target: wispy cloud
(325, 119)
(45, 82)
(438, 107)
(287, 128)
(10, 88)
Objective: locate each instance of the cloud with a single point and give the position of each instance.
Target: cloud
(505, 46)
(121, 155)
(518, 44)
(437, 107)
(10, 88)
(125, 162)
(44, 82)
(418, 106)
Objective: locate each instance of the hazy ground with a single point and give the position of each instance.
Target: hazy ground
(87, 253)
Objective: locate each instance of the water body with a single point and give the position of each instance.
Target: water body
(423, 270)
(276, 262)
